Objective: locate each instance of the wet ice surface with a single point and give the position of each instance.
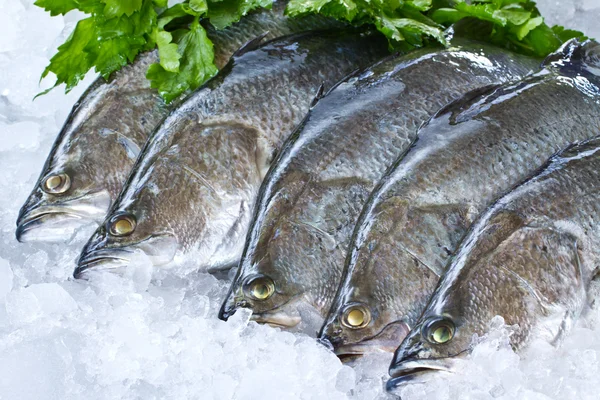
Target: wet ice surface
(154, 335)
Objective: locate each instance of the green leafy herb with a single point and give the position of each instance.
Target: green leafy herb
(516, 24)
(71, 63)
(187, 58)
(116, 31)
(185, 68)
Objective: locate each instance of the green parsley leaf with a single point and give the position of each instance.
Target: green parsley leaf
(117, 30)
(199, 6)
(167, 51)
(195, 66)
(567, 34)
(421, 5)
(118, 40)
(528, 26)
(177, 11)
(57, 7)
(116, 8)
(71, 63)
(224, 13)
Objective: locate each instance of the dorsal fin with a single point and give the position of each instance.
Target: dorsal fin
(318, 96)
(462, 104)
(250, 45)
(321, 91)
(578, 148)
(351, 75)
(575, 53)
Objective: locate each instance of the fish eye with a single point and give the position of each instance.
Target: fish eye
(121, 225)
(259, 288)
(439, 331)
(356, 316)
(57, 184)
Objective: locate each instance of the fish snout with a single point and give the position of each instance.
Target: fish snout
(412, 363)
(95, 256)
(31, 203)
(26, 218)
(333, 332)
(22, 225)
(230, 306)
(56, 220)
(326, 342)
(411, 348)
(385, 341)
(417, 370)
(48, 224)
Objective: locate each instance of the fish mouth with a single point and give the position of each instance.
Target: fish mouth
(158, 250)
(278, 319)
(386, 341)
(414, 371)
(356, 350)
(101, 260)
(48, 225)
(57, 222)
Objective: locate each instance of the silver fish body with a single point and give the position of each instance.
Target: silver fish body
(529, 259)
(102, 137)
(313, 195)
(471, 153)
(195, 184)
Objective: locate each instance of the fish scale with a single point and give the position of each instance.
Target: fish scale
(311, 198)
(469, 154)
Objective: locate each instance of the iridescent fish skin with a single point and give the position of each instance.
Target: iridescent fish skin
(196, 181)
(311, 199)
(471, 153)
(107, 128)
(529, 259)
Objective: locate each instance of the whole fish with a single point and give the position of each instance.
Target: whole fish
(529, 259)
(467, 156)
(98, 145)
(311, 198)
(196, 181)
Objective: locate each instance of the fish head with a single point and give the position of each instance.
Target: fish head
(128, 231)
(68, 194)
(136, 224)
(356, 328)
(481, 282)
(435, 344)
(81, 177)
(280, 284)
(268, 291)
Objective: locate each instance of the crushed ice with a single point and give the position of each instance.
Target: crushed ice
(155, 335)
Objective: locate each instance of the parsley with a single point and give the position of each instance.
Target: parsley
(116, 31)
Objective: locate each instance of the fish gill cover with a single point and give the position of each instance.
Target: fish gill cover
(117, 30)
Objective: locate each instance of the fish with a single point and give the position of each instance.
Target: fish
(530, 259)
(311, 198)
(470, 153)
(109, 125)
(193, 188)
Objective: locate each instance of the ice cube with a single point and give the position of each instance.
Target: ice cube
(21, 135)
(6, 279)
(52, 298)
